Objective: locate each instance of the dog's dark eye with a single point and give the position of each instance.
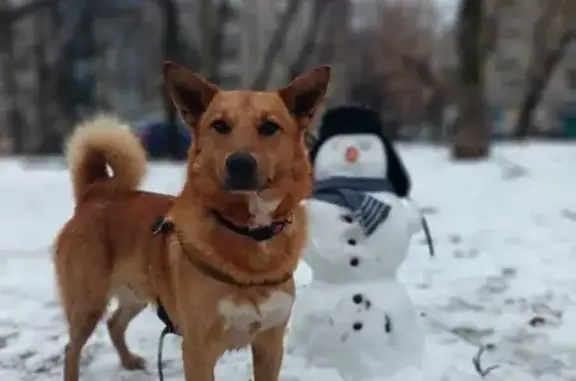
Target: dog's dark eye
(268, 128)
(221, 127)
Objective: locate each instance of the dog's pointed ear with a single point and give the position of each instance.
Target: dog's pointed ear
(190, 92)
(305, 94)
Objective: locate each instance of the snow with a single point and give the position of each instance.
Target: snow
(504, 232)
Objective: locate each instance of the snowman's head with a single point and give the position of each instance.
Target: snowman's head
(351, 143)
(354, 155)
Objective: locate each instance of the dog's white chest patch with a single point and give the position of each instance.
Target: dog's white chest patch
(250, 319)
(261, 210)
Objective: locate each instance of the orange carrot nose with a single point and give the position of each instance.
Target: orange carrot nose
(352, 154)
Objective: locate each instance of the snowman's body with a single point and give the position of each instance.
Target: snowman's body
(338, 252)
(365, 330)
(390, 341)
(355, 315)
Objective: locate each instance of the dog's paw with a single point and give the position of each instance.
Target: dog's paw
(134, 362)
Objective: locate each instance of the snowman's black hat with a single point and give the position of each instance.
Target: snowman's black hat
(359, 119)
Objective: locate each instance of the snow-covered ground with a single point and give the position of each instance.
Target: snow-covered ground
(504, 275)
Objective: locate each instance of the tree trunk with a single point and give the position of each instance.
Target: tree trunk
(43, 145)
(537, 85)
(472, 139)
(52, 133)
(207, 20)
(170, 48)
(8, 66)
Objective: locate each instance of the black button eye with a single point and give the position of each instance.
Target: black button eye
(352, 242)
(268, 128)
(221, 127)
(354, 261)
(357, 298)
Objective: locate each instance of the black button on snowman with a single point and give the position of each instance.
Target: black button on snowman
(357, 298)
(355, 315)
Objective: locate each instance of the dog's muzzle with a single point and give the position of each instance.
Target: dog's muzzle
(241, 172)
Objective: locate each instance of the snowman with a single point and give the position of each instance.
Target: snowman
(355, 316)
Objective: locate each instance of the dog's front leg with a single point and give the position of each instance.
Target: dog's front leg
(199, 361)
(267, 352)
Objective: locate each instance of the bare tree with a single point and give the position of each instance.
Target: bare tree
(9, 16)
(44, 103)
(276, 44)
(553, 32)
(309, 45)
(436, 99)
(476, 38)
(397, 50)
(212, 18)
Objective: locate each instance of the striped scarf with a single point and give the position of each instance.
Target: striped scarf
(352, 193)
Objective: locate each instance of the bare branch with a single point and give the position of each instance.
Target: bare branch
(553, 32)
(421, 68)
(477, 362)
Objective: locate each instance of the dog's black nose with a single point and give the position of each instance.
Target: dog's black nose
(241, 172)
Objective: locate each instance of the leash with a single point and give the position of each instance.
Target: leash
(165, 332)
(162, 226)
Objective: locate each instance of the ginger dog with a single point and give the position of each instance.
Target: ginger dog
(224, 273)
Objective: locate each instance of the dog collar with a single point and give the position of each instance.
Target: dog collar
(164, 226)
(263, 233)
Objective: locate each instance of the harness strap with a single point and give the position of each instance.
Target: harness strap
(163, 316)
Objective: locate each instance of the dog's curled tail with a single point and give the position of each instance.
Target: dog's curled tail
(100, 142)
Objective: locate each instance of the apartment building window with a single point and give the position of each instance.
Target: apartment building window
(230, 81)
(230, 50)
(513, 84)
(231, 40)
(279, 7)
(449, 73)
(236, 4)
(571, 79)
(506, 64)
(510, 32)
(507, 48)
